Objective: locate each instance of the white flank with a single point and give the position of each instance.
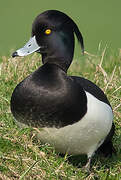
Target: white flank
(85, 136)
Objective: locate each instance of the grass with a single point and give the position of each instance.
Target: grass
(21, 154)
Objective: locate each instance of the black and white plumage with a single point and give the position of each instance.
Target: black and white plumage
(74, 114)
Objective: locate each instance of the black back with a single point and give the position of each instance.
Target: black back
(91, 88)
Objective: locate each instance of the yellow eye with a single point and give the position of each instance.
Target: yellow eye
(48, 31)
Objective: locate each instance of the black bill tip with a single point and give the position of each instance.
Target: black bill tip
(14, 54)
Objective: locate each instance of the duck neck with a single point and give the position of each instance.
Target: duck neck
(62, 61)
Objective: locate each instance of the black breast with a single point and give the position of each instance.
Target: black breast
(47, 98)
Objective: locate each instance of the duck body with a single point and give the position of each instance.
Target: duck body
(71, 119)
(73, 114)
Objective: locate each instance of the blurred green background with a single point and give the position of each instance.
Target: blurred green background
(99, 21)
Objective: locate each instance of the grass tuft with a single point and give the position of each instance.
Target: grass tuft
(21, 154)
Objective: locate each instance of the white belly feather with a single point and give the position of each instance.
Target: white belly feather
(85, 136)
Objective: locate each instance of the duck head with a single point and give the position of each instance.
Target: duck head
(53, 37)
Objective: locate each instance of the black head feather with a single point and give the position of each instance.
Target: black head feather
(65, 19)
(61, 20)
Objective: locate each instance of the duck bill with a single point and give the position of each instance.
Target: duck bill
(30, 47)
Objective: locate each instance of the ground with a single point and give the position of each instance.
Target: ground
(22, 156)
